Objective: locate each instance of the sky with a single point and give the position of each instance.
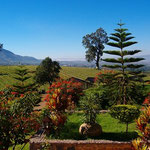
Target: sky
(55, 28)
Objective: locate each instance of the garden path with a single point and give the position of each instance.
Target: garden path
(41, 105)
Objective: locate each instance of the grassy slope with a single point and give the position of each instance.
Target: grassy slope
(9, 70)
(79, 72)
(66, 72)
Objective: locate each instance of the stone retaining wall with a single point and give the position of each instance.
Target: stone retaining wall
(36, 144)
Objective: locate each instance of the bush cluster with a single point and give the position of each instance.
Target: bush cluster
(61, 95)
(124, 113)
(17, 118)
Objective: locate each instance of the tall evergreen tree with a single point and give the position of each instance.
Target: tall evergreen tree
(23, 83)
(129, 74)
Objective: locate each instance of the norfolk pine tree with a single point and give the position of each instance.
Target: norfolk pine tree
(128, 75)
(24, 82)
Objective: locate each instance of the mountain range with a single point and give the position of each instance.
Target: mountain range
(9, 58)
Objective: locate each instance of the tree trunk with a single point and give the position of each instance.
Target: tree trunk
(97, 61)
(97, 65)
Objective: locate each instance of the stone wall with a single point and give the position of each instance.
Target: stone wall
(37, 143)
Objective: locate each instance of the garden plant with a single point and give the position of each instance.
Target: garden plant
(17, 118)
(91, 105)
(143, 126)
(61, 95)
(125, 113)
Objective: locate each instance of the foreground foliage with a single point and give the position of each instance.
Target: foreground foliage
(143, 126)
(17, 119)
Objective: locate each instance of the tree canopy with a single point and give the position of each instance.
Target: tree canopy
(47, 71)
(94, 43)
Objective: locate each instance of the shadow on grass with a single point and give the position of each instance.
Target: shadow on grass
(71, 131)
(122, 136)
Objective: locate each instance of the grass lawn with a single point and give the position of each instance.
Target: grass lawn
(112, 129)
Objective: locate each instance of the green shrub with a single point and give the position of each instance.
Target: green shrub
(90, 104)
(104, 103)
(124, 113)
(17, 118)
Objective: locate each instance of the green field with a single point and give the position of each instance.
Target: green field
(8, 73)
(78, 72)
(66, 72)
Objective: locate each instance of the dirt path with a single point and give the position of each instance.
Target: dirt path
(41, 105)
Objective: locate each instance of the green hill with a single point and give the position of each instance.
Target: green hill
(66, 72)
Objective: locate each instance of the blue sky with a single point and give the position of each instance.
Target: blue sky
(55, 28)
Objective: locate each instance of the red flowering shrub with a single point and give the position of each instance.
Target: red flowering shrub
(62, 93)
(147, 100)
(60, 96)
(17, 119)
(104, 77)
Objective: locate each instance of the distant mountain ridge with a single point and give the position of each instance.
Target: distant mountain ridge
(9, 58)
